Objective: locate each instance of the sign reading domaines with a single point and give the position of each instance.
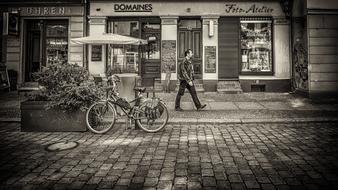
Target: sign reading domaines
(123, 7)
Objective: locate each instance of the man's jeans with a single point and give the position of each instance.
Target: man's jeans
(184, 84)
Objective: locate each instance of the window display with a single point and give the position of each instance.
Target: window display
(124, 58)
(56, 42)
(151, 33)
(256, 48)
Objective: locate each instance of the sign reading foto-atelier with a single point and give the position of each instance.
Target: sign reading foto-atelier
(168, 58)
(233, 8)
(210, 59)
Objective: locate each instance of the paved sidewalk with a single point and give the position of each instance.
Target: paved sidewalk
(204, 156)
(223, 108)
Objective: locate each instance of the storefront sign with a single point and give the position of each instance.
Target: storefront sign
(170, 9)
(133, 7)
(46, 11)
(210, 59)
(51, 11)
(253, 9)
(168, 59)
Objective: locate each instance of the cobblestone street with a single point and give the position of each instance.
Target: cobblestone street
(229, 156)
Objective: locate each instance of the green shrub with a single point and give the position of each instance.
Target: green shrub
(66, 86)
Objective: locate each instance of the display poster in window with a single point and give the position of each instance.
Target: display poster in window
(96, 53)
(168, 58)
(210, 59)
(4, 80)
(11, 24)
(256, 46)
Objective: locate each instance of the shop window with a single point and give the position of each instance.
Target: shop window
(151, 33)
(124, 58)
(256, 46)
(56, 42)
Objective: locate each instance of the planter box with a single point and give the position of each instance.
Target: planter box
(35, 117)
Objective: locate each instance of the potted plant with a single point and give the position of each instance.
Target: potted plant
(65, 92)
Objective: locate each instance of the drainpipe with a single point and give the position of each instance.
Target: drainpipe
(293, 86)
(86, 31)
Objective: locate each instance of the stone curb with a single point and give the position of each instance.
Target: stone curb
(251, 120)
(225, 121)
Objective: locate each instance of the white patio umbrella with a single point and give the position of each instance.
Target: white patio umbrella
(109, 38)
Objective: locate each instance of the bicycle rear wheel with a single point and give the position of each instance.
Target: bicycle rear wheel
(100, 117)
(152, 125)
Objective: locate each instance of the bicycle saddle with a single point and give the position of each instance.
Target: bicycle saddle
(140, 89)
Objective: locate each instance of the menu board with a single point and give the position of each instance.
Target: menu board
(96, 52)
(168, 58)
(210, 59)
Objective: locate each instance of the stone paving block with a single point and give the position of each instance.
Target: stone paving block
(207, 172)
(179, 187)
(276, 105)
(165, 176)
(164, 184)
(238, 186)
(151, 181)
(209, 181)
(252, 184)
(223, 106)
(194, 185)
(180, 180)
(235, 178)
(187, 106)
(249, 106)
(268, 186)
(123, 182)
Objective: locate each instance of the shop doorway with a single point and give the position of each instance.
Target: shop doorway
(33, 49)
(45, 42)
(190, 37)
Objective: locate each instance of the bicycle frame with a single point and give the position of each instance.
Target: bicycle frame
(115, 96)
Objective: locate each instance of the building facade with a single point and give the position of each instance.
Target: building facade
(237, 41)
(38, 33)
(315, 47)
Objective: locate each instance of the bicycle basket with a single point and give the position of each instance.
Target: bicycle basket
(123, 103)
(153, 109)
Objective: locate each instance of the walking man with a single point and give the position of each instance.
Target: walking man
(186, 77)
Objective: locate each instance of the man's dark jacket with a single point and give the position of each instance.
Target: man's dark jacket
(185, 70)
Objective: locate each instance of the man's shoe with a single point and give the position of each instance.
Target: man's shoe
(178, 109)
(202, 106)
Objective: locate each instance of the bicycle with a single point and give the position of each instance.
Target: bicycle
(150, 114)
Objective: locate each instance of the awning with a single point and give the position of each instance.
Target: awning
(109, 38)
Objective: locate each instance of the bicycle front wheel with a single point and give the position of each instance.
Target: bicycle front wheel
(100, 117)
(152, 125)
